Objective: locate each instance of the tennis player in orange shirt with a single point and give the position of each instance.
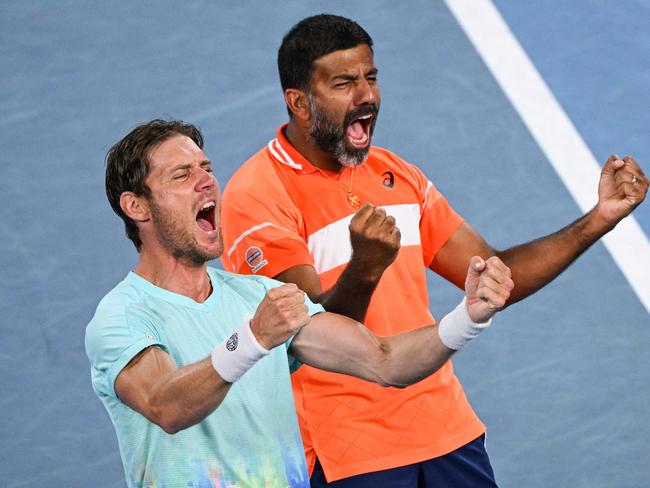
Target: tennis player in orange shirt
(355, 226)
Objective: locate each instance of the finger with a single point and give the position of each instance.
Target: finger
(634, 172)
(495, 263)
(493, 299)
(501, 289)
(389, 222)
(631, 185)
(362, 214)
(476, 265)
(625, 188)
(397, 236)
(297, 296)
(496, 274)
(635, 168)
(376, 219)
(300, 318)
(612, 164)
(631, 163)
(283, 291)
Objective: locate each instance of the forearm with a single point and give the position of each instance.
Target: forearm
(351, 294)
(185, 396)
(538, 262)
(336, 343)
(412, 356)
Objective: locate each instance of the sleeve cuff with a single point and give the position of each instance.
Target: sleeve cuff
(125, 358)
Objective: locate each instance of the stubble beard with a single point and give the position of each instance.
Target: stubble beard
(178, 240)
(330, 136)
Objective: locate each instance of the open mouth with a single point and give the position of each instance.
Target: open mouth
(359, 131)
(205, 218)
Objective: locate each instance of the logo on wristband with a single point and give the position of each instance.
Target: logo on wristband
(231, 344)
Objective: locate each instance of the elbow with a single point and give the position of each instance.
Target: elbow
(168, 421)
(384, 370)
(394, 384)
(171, 428)
(392, 380)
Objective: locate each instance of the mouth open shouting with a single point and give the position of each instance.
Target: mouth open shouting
(206, 217)
(349, 141)
(359, 131)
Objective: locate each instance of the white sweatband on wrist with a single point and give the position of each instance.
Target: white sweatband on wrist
(456, 328)
(237, 354)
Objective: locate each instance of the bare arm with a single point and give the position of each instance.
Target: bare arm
(375, 243)
(171, 397)
(337, 343)
(342, 345)
(177, 398)
(533, 264)
(536, 263)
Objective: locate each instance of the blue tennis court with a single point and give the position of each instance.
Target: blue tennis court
(561, 379)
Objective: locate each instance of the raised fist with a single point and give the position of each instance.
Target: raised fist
(375, 240)
(487, 287)
(280, 315)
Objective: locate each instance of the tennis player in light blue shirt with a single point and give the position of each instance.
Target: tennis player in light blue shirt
(256, 441)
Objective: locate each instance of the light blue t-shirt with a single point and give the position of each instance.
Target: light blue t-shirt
(251, 440)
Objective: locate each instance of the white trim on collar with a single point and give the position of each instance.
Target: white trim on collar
(281, 155)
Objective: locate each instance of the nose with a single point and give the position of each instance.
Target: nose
(367, 92)
(205, 180)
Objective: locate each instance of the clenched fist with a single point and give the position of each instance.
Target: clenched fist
(487, 287)
(622, 187)
(375, 240)
(280, 315)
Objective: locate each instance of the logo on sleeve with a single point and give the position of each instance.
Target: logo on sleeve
(232, 342)
(389, 180)
(255, 258)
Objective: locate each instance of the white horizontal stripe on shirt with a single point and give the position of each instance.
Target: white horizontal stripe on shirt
(330, 246)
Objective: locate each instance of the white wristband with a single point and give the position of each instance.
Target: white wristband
(456, 328)
(237, 354)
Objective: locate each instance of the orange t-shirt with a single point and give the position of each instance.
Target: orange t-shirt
(279, 211)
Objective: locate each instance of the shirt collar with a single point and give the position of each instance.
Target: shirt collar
(282, 150)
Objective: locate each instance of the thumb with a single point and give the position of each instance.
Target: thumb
(611, 165)
(476, 267)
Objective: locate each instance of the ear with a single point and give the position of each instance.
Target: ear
(297, 102)
(134, 206)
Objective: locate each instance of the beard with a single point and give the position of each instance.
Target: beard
(180, 243)
(326, 133)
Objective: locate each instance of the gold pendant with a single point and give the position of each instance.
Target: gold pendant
(353, 200)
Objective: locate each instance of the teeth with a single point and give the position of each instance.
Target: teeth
(207, 205)
(364, 117)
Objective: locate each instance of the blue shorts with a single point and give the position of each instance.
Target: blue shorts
(466, 467)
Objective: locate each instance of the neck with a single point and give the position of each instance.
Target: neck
(175, 274)
(299, 138)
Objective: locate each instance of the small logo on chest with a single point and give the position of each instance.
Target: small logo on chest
(255, 258)
(389, 180)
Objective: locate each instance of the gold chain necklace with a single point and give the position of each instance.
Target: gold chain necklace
(353, 199)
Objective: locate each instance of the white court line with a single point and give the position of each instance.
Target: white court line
(553, 131)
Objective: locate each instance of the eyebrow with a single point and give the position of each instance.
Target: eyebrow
(349, 77)
(176, 167)
(189, 165)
